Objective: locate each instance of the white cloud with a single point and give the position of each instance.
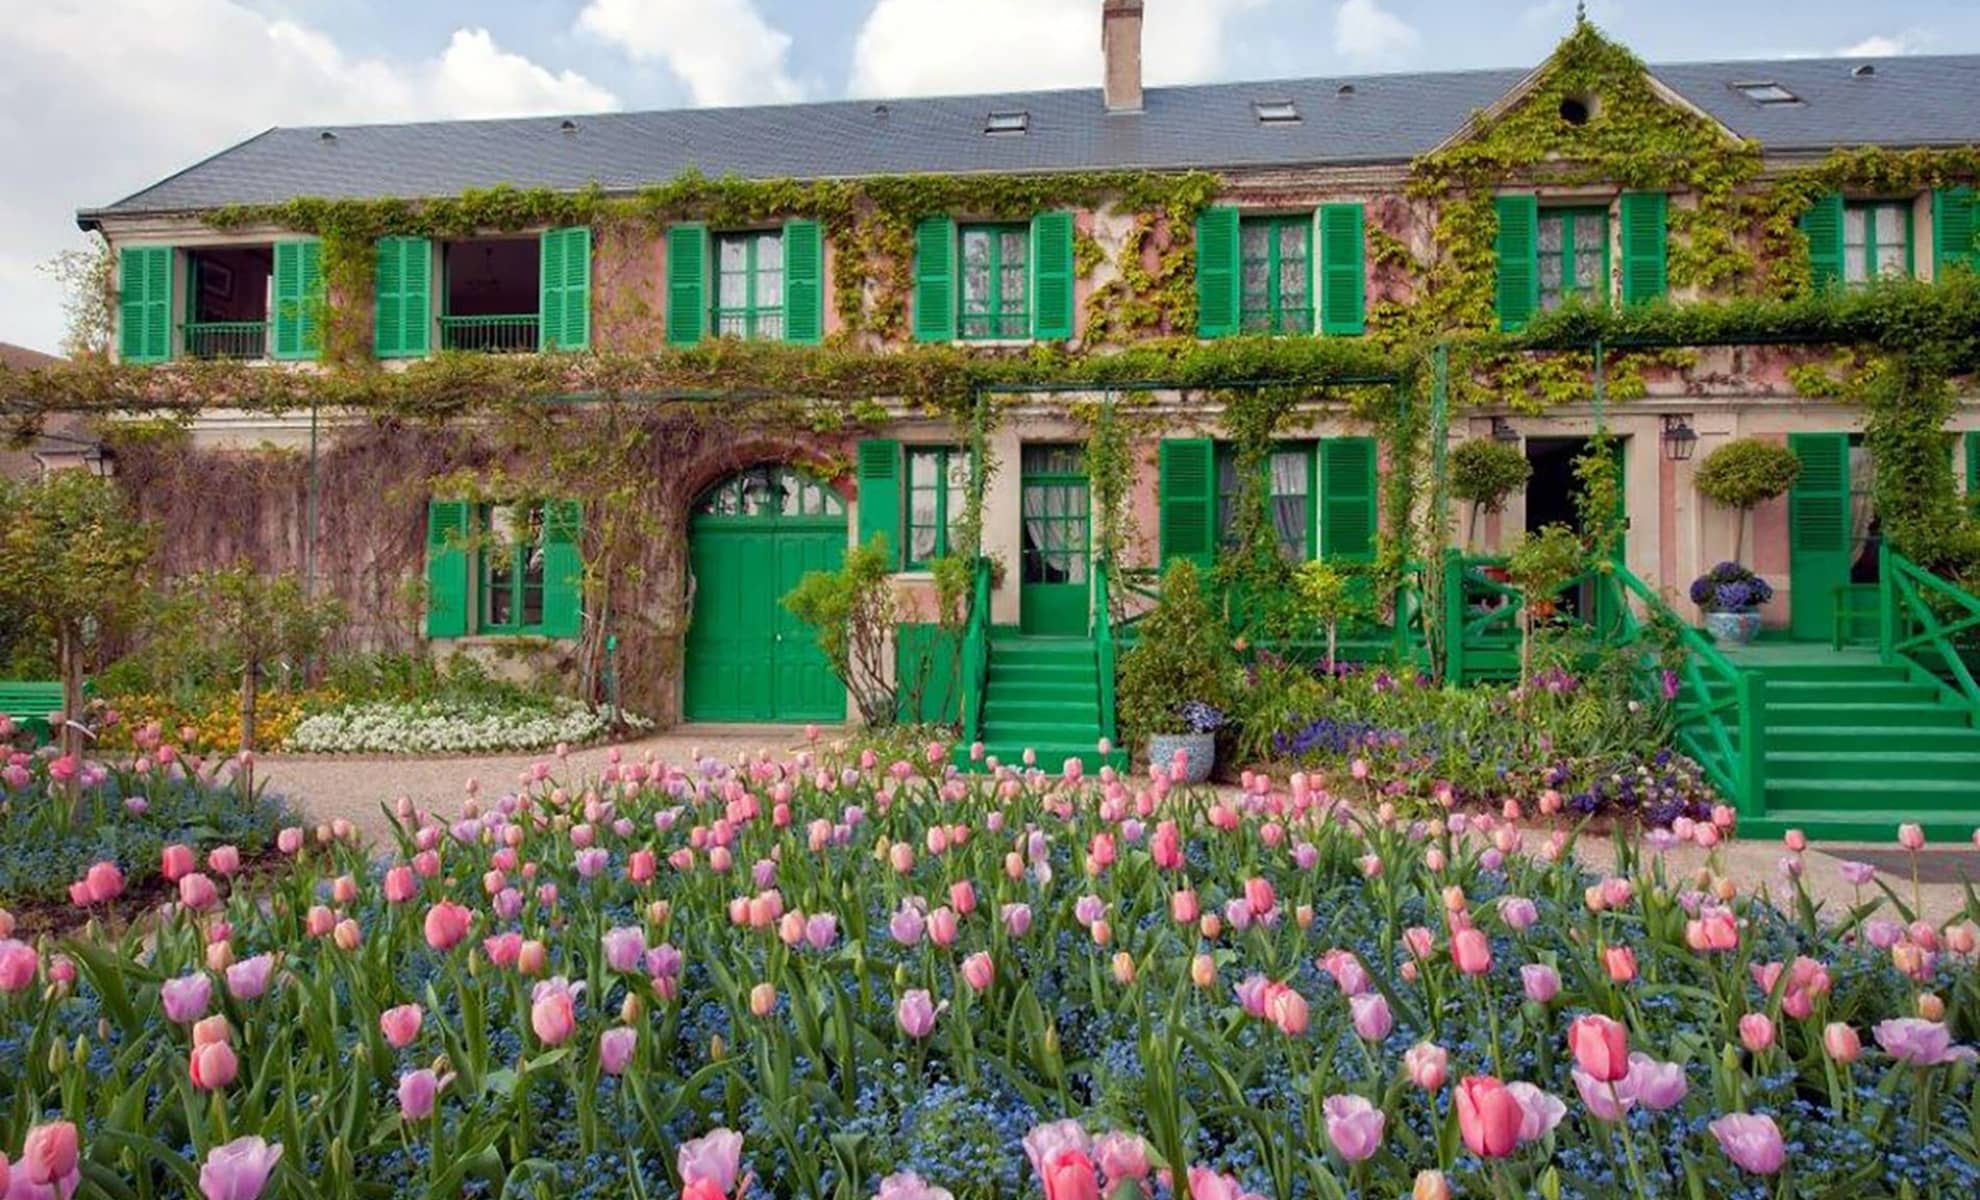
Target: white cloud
(947, 47)
(723, 50)
(101, 97)
(1880, 46)
(1366, 31)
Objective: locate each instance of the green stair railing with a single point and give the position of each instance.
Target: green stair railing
(1103, 648)
(1923, 620)
(976, 653)
(1719, 704)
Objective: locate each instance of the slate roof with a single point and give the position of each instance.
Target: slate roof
(1921, 100)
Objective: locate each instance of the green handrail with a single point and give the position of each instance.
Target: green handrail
(976, 652)
(1103, 648)
(508, 333)
(1719, 703)
(1919, 619)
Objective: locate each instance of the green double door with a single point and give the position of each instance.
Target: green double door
(1056, 567)
(752, 539)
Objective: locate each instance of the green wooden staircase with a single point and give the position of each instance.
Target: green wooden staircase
(1042, 694)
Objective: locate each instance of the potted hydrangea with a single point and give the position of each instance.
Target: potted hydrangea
(1731, 595)
(1197, 737)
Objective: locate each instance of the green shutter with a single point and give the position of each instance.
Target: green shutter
(446, 568)
(1823, 225)
(1644, 236)
(1052, 276)
(935, 280)
(403, 322)
(1348, 478)
(880, 494)
(804, 283)
(1343, 271)
(1955, 229)
(144, 304)
(563, 569)
(1972, 466)
(1518, 247)
(1187, 493)
(687, 283)
(1818, 531)
(564, 289)
(1217, 272)
(298, 298)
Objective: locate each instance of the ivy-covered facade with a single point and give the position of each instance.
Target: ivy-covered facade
(642, 405)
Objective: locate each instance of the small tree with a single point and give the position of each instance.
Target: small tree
(1485, 473)
(70, 557)
(1540, 566)
(1744, 474)
(1181, 655)
(254, 621)
(1329, 595)
(854, 610)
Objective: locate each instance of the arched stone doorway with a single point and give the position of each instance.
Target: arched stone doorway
(751, 538)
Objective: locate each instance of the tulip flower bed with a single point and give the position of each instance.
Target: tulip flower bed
(815, 977)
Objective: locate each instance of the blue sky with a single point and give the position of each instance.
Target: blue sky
(101, 97)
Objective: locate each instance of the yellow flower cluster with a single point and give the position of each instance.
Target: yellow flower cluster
(214, 721)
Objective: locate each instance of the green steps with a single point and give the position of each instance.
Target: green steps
(1835, 764)
(1897, 691)
(1893, 742)
(1905, 715)
(1042, 694)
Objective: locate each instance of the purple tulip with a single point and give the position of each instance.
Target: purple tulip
(248, 978)
(593, 861)
(1354, 1126)
(1655, 1085)
(1518, 912)
(1751, 1140)
(624, 948)
(238, 1170)
(1372, 1019)
(916, 1013)
(1539, 1111)
(907, 924)
(1088, 909)
(1856, 874)
(186, 998)
(1541, 981)
(417, 1090)
(1919, 1042)
(1017, 919)
(1605, 1101)
(615, 1048)
(821, 930)
(663, 961)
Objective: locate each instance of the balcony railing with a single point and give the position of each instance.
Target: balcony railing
(514, 334)
(225, 339)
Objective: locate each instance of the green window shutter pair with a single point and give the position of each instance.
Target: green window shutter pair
(446, 568)
(1348, 504)
(564, 284)
(690, 264)
(402, 325)
(1822, 224)
(144, 304)
(880, 494)
(1645, 237)
(1052, 282)
(1955, 229)
(1343, 270)
(1187, 494)
(298, 316)
(1518, 248)
(1218, 295)
(563, 569)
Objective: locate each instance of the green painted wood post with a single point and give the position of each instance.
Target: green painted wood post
(1887, 605)
(1453, 617)
(1752, 800)
(1601, 397)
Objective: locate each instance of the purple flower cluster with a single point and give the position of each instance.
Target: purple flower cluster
(1730, 587)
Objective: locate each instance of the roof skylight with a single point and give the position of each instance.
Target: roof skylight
(1007, 122)
(1765, 91)
(1275, 112)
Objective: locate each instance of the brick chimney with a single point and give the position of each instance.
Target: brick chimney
(1120, 42)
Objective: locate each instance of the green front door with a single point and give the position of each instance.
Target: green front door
(752, 538)
(1057, 513)
(1818, 533)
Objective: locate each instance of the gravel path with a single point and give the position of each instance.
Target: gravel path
(355, 787)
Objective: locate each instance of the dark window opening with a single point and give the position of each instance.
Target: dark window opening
(492, 294)
(227, 302)
(1576, 111)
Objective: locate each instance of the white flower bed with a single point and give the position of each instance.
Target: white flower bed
(448, 727)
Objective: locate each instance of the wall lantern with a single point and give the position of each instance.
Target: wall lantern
(101, 461)
(1679, 438)
(1503, 432)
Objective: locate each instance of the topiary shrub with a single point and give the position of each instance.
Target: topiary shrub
(1744, 474)
(1182, 654)
(854, 611)
(1484, 473)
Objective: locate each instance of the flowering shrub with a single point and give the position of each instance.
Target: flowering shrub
(1730, 587)
(209, 723)
(814, 977)
(451, 726)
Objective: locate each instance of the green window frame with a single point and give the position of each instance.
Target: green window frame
(1876, 241)
(994, 299)
(937, 495)
(509, 568)
(749, 285)
(1290, 478)
(1572, 244)
(1275, 274)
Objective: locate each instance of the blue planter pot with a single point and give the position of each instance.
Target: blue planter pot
(1733, 628)
(1202, 749)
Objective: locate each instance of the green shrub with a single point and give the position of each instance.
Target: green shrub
(854, 611)
(1744, 474)
(1485, 472)
(1540, 566)
(1182, 653)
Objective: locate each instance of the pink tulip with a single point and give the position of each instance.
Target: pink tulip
(1911, 836)
(1541, 982)
(1918, 1042)
(1620, 961)
(213, 1066)
(446, 924)
(714, 1159)
(1752, 1141)
(615, 1048)
(224, 861)
(197, 892)
(1428, 1065)
(979, 971)
(907, 924)
(1539, 1111)
(1756, 1032)
(821, 930)
(290, 840)
(916, 1013)
(248, 978)
(1471, 951)
(50, 1159)
(176, 862)
(1286, 1009)
(906, 1185)
(101, 884)
(1354, 1126)
(400, 1025)
(417, 1092)
(942, 926)
(186, 998)
(1372, 1019)
(1841, 1042)
(1121, 1156)
(553, 1011)
(1600, 1046)
(1017, 919)
(1656, 1085)
(1489, 1117)
(401, 884)
(1605, 1101)
(625, 949)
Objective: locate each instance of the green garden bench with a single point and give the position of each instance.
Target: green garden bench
(29, 703)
